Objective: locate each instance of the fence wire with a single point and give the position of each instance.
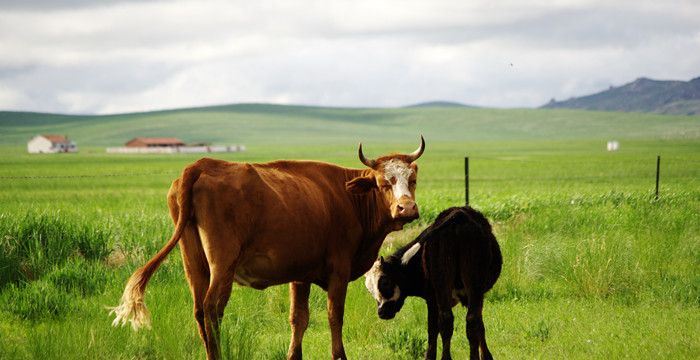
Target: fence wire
(49, 177)
(664, 161)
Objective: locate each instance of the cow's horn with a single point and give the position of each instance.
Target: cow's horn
(416, 154)
(369, 163)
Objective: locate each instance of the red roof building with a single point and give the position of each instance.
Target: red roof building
(57, 139)
(154, 142)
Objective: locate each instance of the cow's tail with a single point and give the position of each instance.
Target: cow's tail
(132, 307)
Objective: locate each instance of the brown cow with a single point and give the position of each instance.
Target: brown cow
(456, 259)
(297, 222)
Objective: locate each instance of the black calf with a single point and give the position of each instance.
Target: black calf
(456, 259)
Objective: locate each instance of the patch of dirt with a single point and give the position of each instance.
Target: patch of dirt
(116, 258)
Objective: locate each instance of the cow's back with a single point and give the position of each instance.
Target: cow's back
(288, 217)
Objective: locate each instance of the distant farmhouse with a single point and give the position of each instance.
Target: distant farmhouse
(51, 144)
(169, 145)
(154, 142)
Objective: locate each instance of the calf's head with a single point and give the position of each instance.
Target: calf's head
(394, 176)
(385, 281)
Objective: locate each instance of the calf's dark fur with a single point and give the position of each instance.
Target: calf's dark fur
(455, 260)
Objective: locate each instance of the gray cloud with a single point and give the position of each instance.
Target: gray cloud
(48, 5)
(565, 28)
(143, 55)
(586, 28)
(57, 88)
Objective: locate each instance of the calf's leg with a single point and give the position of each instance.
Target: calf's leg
(431, 352)
(298, 316)
(442, 288)
(446, 324)
(475, 329)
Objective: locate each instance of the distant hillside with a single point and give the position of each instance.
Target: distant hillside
(266, 124)
(438, 104)
(641, 95)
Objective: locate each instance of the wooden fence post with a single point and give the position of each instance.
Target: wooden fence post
(466, 179)
(658, 166)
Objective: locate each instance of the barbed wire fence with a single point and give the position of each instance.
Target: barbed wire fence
(654, 183)
(87, 176)
(467, 175)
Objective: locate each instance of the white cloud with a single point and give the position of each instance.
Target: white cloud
(76, 56)
(10, 97)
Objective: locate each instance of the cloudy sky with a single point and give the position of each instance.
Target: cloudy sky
(85, 56)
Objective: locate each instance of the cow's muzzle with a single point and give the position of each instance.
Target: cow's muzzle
(405, 210)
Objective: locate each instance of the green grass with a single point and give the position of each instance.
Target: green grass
(594, 265)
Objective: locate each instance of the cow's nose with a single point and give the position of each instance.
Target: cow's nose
(407, 209)
(408, 206)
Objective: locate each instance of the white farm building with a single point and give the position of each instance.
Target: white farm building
(169, 145)
(50, 144)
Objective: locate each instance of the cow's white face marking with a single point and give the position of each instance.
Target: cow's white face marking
(398, 173)
(409, 253)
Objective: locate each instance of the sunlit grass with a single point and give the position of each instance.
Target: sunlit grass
(594, 265)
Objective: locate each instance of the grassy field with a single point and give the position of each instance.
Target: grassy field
(594, 266)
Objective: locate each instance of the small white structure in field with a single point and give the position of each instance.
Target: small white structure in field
(152, 145)
(613, 145)
(51, 144)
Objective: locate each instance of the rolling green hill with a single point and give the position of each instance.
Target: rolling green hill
(641, 95)
(260, 124)
(439, 104)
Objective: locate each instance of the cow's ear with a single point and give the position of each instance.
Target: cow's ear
(361, 185)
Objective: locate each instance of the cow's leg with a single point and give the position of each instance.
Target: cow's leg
(194, 261)
(197, 272)
(337, 288)
(431, 352)
(298, 316)
(214, 305)
(475, 328)
(222, 254)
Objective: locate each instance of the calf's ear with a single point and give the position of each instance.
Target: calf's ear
(361, 185)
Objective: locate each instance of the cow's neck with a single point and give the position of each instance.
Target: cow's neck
(376, 222)
(372, 211)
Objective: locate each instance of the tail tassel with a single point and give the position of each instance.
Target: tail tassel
(131, 309)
